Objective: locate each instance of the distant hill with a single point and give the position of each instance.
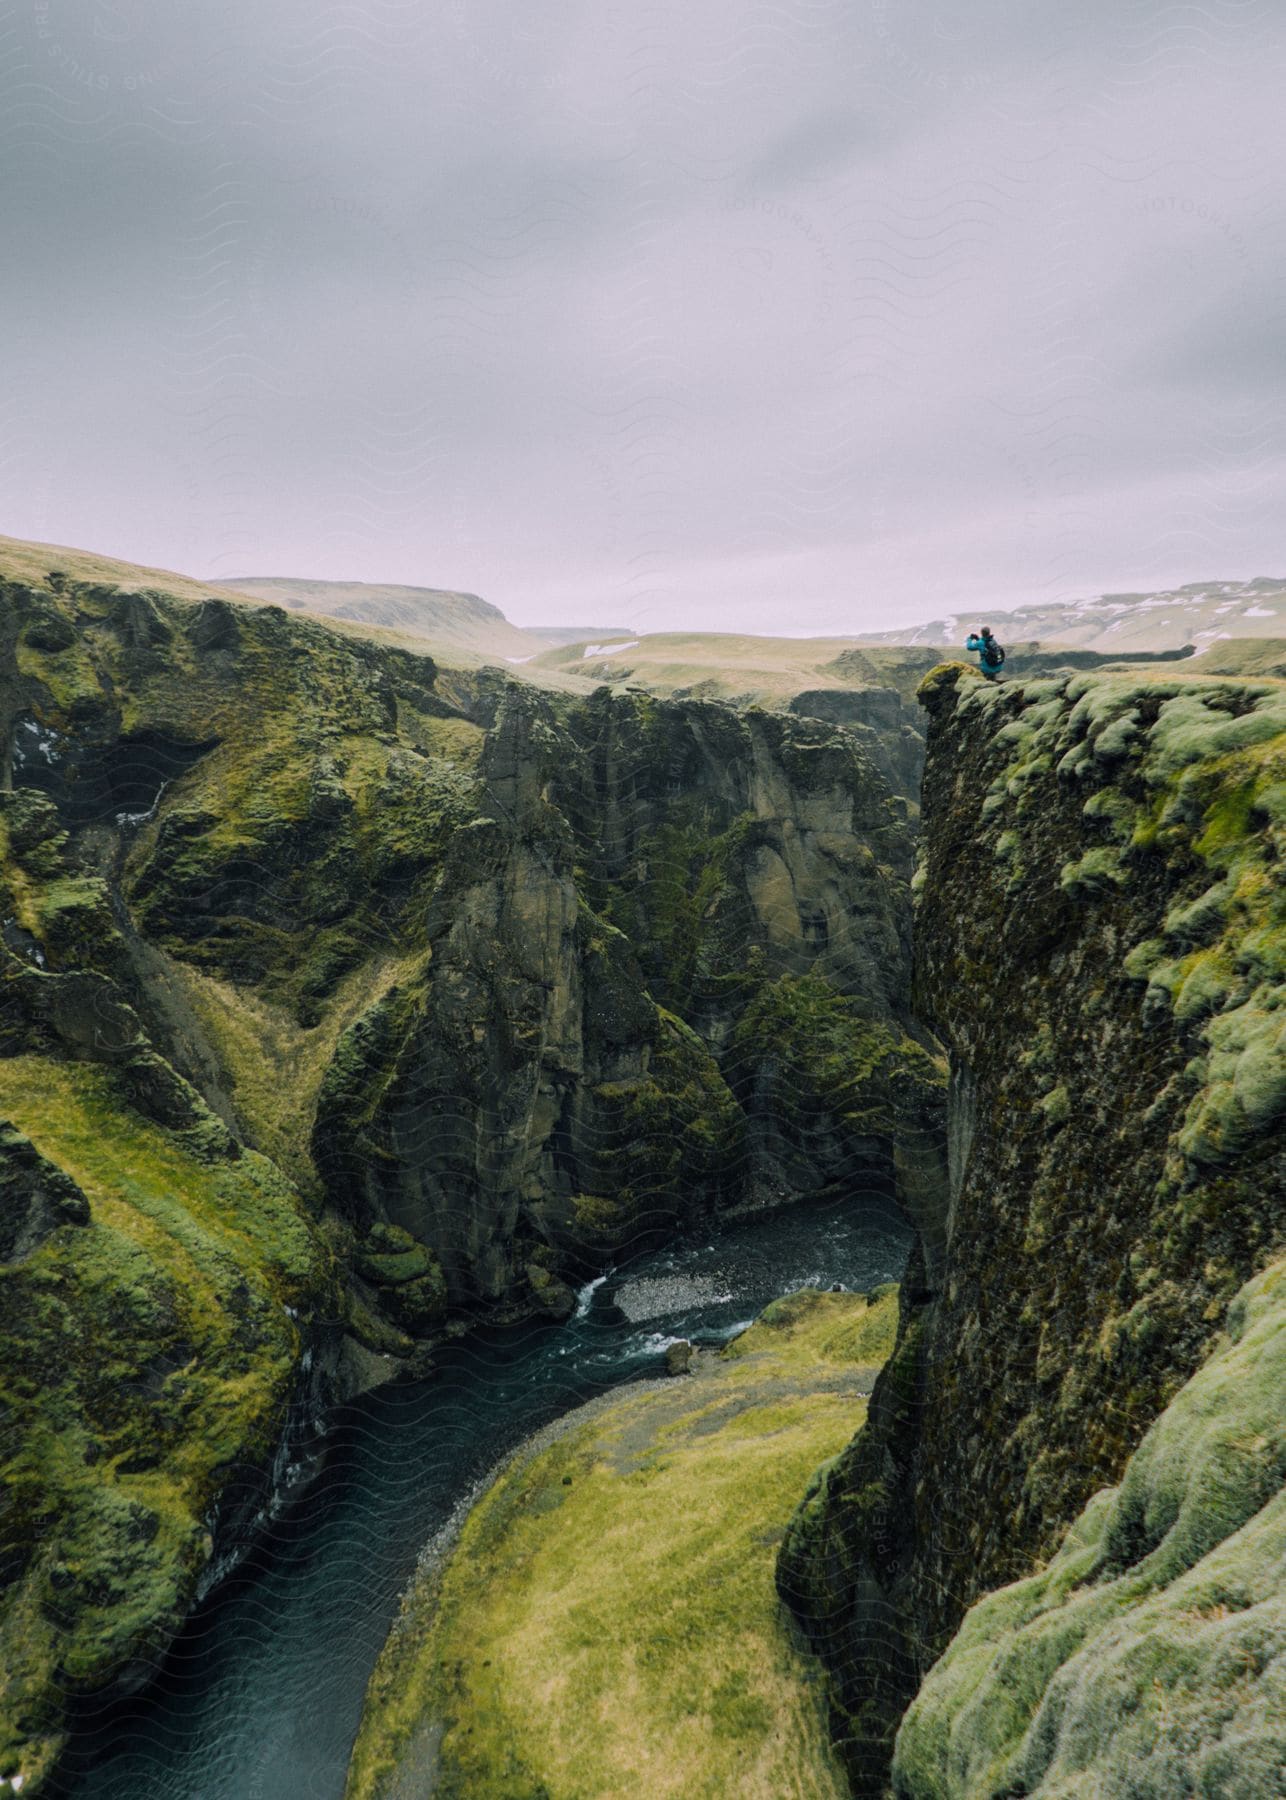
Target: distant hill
(575, 634)
(441, 614)
(458, 630)
(718, 665)
(1202, 613)
(1245, 656)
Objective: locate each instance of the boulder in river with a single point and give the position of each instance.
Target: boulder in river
(550, 1294)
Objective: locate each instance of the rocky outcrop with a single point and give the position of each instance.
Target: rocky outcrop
(1099, 950)
(886, 726)
(35, 1197)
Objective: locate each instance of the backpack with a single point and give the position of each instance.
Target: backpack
(994, 654)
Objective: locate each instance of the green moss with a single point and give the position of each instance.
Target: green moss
(597, 1218)
(1197, 921)
(144, 1355)
(947, 679)
(1205, 983)
(1146, 1657)
(1113, 809)
(1194, 727)
(409, 1265)
(73, 920)
(1056, 1105)
(415, 1293)
(670, 914)
(835, 1081)
(661, 1139)
(32, 833)
(1098, 869)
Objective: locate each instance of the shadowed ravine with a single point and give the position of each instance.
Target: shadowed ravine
(261, 1693)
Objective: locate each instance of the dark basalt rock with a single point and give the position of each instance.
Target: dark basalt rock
(36, 1197)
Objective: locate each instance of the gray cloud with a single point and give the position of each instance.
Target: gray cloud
(752, 316)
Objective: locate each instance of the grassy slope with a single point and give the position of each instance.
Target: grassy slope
(606, 1623)
(1246, 656)
(22, 560)
(276, 1067)
(1149, 1658)
(144, 1355)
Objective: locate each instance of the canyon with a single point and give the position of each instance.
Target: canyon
(353, 1001)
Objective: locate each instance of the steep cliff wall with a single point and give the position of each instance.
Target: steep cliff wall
(663, 917)
(1100, 947)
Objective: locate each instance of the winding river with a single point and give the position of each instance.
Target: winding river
(261, 1694)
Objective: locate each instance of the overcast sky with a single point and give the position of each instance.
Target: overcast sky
(802, 315)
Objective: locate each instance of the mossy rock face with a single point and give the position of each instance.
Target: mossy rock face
(709, 833)
(1148, 1656)
(148, 1347)
(34, 831)
(408, 1277)
(280, 828)
(48, 631)
(1100, 946)
(597, 888)
(832, 1089)
(216, 819)
(596, 935)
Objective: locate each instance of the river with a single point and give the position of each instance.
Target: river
(260, 1696)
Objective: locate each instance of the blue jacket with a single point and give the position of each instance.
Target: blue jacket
(985, 661)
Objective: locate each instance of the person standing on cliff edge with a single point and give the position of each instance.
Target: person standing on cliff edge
(991, 657)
